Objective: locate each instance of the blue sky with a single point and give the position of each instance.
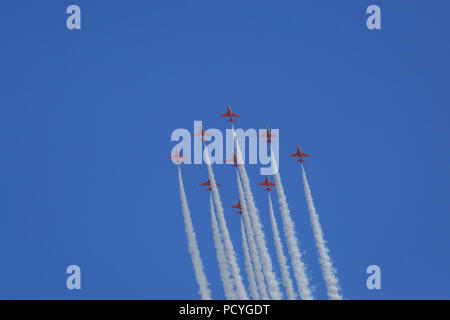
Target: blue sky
(86, 118)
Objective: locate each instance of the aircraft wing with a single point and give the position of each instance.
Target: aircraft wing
(235, 115)
(294, 154)
(305, 155)
(224, 115)
(205, 134)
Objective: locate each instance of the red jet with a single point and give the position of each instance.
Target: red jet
(177, 156)
(237, 206)
(268, 135)
(267, 183)
(300, 154)
(203, 134)
(230, 114)
(208, 183)
(233, 159)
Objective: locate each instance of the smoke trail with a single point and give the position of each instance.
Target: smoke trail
(272, 282)
(251, 241)
(221, 258)
(291, 238)
(204, 291)
(229, 249)
(248, 266)
(287, 282)
(329, 273)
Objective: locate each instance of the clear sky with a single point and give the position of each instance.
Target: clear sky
(86, 118)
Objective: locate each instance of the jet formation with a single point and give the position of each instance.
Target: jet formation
(267, 183)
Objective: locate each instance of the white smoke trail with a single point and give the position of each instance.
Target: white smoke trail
(291, 238)
(272, 283)
(227, 282)
(229, 249)
(204, 291)
(248, 266)
(287, 282)
(329, 273)
(251, 241)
